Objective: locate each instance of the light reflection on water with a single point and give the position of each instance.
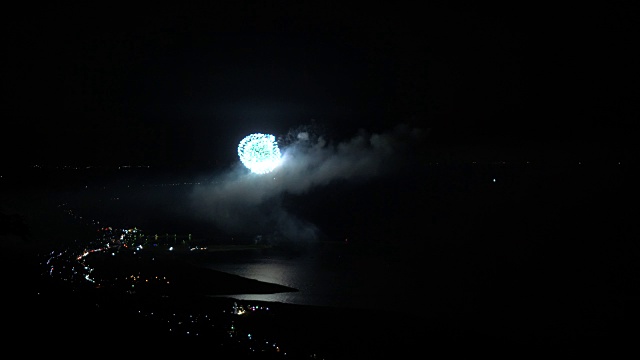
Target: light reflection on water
(323, 275)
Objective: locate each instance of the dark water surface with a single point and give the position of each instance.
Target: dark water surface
(330, 274)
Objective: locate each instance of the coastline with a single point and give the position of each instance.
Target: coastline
(57, 312)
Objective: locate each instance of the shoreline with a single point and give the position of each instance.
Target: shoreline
(39, 305)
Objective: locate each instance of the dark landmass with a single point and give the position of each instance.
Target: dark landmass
(65, 316)
(68, 318)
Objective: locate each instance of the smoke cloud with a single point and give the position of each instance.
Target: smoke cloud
(239, 201)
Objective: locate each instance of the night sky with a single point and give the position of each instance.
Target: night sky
(181, 85)
(383, 92)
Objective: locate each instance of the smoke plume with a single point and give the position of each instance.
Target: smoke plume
(239, 201)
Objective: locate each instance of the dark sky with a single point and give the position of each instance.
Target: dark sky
(181, 85)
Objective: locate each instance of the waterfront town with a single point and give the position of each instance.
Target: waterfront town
(125, 284)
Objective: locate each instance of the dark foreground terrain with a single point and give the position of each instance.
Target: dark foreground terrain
(57, 317)
(60, 317)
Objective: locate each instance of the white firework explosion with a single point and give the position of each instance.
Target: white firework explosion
(259, 153)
